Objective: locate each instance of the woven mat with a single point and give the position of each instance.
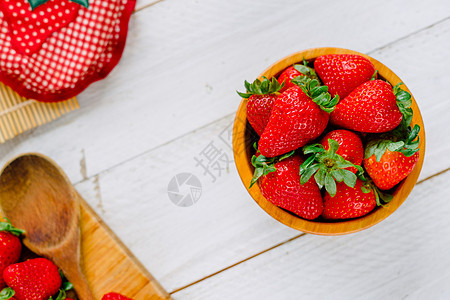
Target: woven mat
(18, 114)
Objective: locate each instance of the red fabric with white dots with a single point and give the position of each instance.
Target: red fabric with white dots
(54, 52)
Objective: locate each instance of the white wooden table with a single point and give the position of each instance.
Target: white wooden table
(171, 100)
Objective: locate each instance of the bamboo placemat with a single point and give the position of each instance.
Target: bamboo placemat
(18, 114)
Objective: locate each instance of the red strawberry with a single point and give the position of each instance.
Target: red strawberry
(392, 168)
(342, 73)
(261, 96)
(349, 202)
(350, 146)
(294, 71)
(280, 184)
(34, 279)
(115, 296)
(388, 162)
(10, 247)
(30, 28)
(296, 118)
(372, 107)
(286, 76)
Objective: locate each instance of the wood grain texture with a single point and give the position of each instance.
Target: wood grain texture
(214, 45)
(180, 245)
(403, 257)
(119, 115)
(242, 140)
(109, 265)
(35, 195)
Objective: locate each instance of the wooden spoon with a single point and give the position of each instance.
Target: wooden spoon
(36, 195)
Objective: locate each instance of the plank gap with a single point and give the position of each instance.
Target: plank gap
(238, 263)
(408, 35)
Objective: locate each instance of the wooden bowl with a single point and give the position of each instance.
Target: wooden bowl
(244, 136)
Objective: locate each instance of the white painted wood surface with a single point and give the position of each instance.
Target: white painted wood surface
(173, 93)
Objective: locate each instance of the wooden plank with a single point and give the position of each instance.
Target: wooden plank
(182, 244)
(109, 265)
(218, 44)
(394, 259)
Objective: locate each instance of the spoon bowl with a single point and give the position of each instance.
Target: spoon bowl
(36, 195)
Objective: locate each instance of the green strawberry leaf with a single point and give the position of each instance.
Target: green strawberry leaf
(36, 3)
(8, 227)
(85, 3)
(395, 146)
(318, 94)
(305, 70)
(258, 87)
(338, 174)
(366, 188)
(306, 175)
(67, 286)
(381, 198)
(320, 177)
(265, 165)
(330, 184)
(349, 178)
(313, 148)
(326, 163)
(7, 293)
(374, 76)
(334, 146)
(408, 143)
(306, 164)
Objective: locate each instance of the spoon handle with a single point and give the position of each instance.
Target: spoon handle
(80, 284)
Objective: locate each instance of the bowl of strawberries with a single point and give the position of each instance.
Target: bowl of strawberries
(328, 141)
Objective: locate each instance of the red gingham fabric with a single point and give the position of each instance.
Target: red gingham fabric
(54, 52)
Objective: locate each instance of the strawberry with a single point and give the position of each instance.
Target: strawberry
(294, 71)
(342, 73)
(350, 146)
(299, 115)
(280, 184)
(34, 279)
(261, 96)
(349, 202)
(373, 107)
(388, 162)
(10, 247)
(32, 22)
(115, 296)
